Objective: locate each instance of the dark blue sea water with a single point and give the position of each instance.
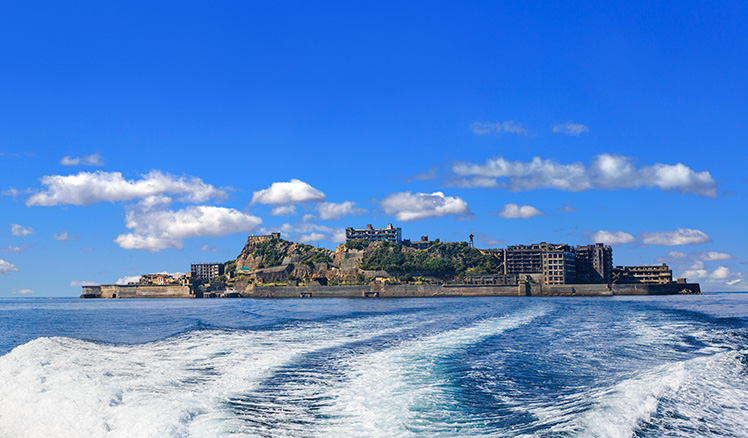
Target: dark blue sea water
(445, 367)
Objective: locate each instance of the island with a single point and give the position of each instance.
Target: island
(379, 263)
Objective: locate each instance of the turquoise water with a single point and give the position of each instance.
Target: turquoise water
(444, 367)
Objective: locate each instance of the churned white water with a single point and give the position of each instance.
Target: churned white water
(381, 368)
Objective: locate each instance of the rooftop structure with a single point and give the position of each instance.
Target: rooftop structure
(263, 238)
(371, 234)
(418, 244)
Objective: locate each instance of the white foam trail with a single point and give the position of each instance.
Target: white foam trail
(401, 391)
(700, 397)
(60, 387)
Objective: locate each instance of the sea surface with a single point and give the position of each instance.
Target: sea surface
(673, 366)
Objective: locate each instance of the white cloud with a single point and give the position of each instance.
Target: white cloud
(88, 160)
(288, 193)
(525, 176)
(720, 274)
(79, 283)
(607, 171)
(570, 128)
(681, 236)
(208, 248)
(22, 291)
(284, 210)
(86, 188)
(332, 210)
(612, 237)
(708, 256)
(63, 236)
(308, 232)
(514, 211)
(407, 206)
(155, 230)
(128, 279)
(313, 237)
(12, 249)
(20, 230)
(566, 209)
(615, 171)
(6, 267)
(510, 126)
(733, 282)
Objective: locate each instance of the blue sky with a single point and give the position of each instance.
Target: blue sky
(139, 137)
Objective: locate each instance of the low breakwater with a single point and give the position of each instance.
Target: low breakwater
(398, 291)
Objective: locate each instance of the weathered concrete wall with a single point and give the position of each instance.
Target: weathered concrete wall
(136, 291)
(656, 289)
(399, 291)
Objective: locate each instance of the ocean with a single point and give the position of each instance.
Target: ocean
(667, 366)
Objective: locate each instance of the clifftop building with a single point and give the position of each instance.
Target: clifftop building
(371, 234)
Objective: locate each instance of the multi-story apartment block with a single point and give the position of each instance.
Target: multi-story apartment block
(657, 274)
(205, 271)
(524, 259)
(371, 234)
(559, 264)
(594, 263)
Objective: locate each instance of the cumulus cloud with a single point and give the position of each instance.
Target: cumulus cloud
(720, 274)
(6, 267)
(681, 236)
(20, 230)
(208, 248)
(128, 279)
(288, 193)
(510, 126)
(606, 171)
(334, 211)
(154, 230)
(570, 128)
(407, 206)
(284, 210)
(566, 209)
(79, 283)
(86, 188)
(514, 211)
(22, 291)
(612, 237)
(63, 236)
(88, 160)
(309, 232)
(524, 176)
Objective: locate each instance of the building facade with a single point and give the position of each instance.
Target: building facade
(594, 264)
(371, 234)
(559, 264)
(657, 274)
(206, 271)
(424, 243)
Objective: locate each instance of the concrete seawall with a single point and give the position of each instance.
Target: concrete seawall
(136, 291)
(401, 290)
